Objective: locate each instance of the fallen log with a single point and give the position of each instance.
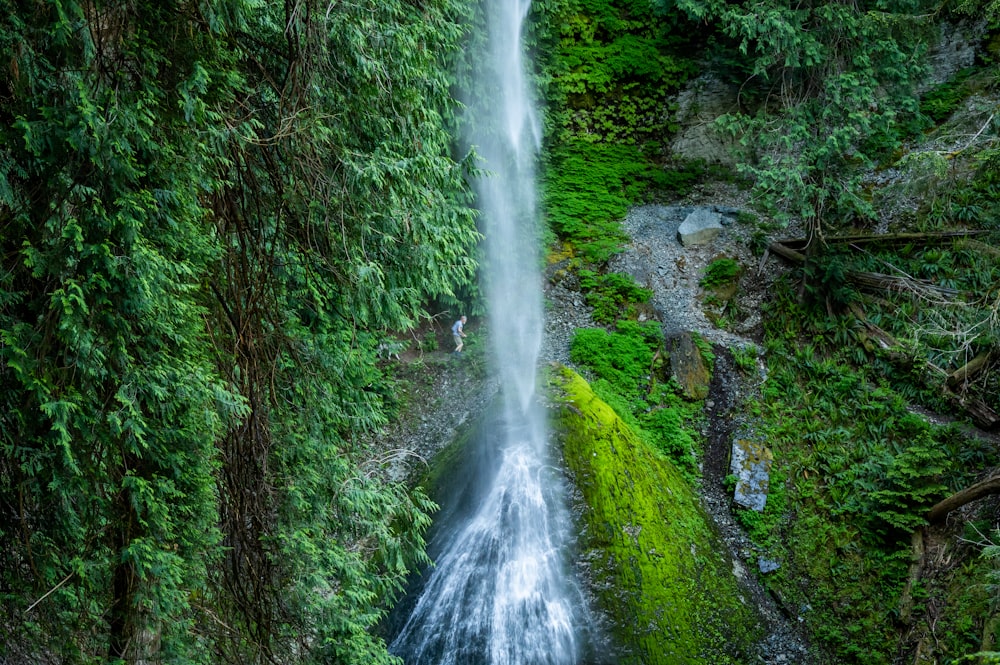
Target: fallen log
(884, 340)
(978, 411)
(882, 282)
(913, 577)
(884, 238)
(873, 280)
(983, 488)
(981, 247)
(779, 248)
(982, 415)
(969, 369)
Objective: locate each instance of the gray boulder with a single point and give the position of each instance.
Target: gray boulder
(701, 227)
(689, 368)
(751, 464)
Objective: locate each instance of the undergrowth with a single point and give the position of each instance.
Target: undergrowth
(610, 69)
(854, 474)
(630, 374)
(588, 187)
(612, 296)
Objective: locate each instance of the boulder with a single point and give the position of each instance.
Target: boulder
(767, 565)
(751, 464)
(701, 227)
(660, 572)
(688, 367)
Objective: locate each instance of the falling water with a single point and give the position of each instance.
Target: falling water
(500, 592)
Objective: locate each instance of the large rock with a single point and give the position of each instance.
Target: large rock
(699, 104)
(751, 464)
(659, 570)
(701, 227)
(688, 367)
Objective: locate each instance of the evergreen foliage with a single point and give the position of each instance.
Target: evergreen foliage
(854, 475)
(824, 87)
(611, 295)
(720, 272)
(208, 211)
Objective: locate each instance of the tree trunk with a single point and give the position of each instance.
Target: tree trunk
(121, 622)
(916, 570)
(884, 239)
(989, 486)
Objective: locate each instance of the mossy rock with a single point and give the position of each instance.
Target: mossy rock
(689, 368)
(656, 561)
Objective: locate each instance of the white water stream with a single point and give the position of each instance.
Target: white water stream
(500, 592)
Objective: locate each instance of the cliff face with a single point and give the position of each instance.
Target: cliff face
(659, 570)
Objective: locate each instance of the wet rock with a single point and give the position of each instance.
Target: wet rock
(767, 565)
(751, 464)
(955, 50)
(726, 211)
(688, 367)
(700, 227)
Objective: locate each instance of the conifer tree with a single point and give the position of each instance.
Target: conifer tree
(208, 211)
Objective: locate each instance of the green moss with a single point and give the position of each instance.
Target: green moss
(656, 560)
(721, 272)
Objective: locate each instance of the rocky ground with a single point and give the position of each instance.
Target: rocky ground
(453, 391)
(656, 259)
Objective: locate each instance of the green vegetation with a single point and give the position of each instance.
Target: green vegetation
(941, 101)
(825, 85)
(745, 358)
(860, 335)
(670, 595)
(720, 272)
(612, 296)
(855, 472)
(632, 376)
(589, 187)
(209, 212)
(609, 68)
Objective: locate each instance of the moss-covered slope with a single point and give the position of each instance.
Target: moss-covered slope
(656, 561)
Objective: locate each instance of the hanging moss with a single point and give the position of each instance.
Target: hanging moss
(655, 559)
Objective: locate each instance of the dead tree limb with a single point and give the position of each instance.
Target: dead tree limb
(913, 576)
(969, 369)
(983, 488)
(982, 415)
(882, 282)
(781, 249)
(885, 238)
(873, 280)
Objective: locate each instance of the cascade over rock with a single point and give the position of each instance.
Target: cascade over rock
(658, 566)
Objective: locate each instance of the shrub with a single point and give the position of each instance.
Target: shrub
(623, 359)
(720, 272)
(610, 294)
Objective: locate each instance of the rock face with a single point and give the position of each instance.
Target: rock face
(955, 50)
(688, 367)
(702, 101)
(660, 572)
(751, 464)
(701, 227)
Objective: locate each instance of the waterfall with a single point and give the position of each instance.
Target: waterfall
(500, 592)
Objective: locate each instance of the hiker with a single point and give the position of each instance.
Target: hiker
(458, 332)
